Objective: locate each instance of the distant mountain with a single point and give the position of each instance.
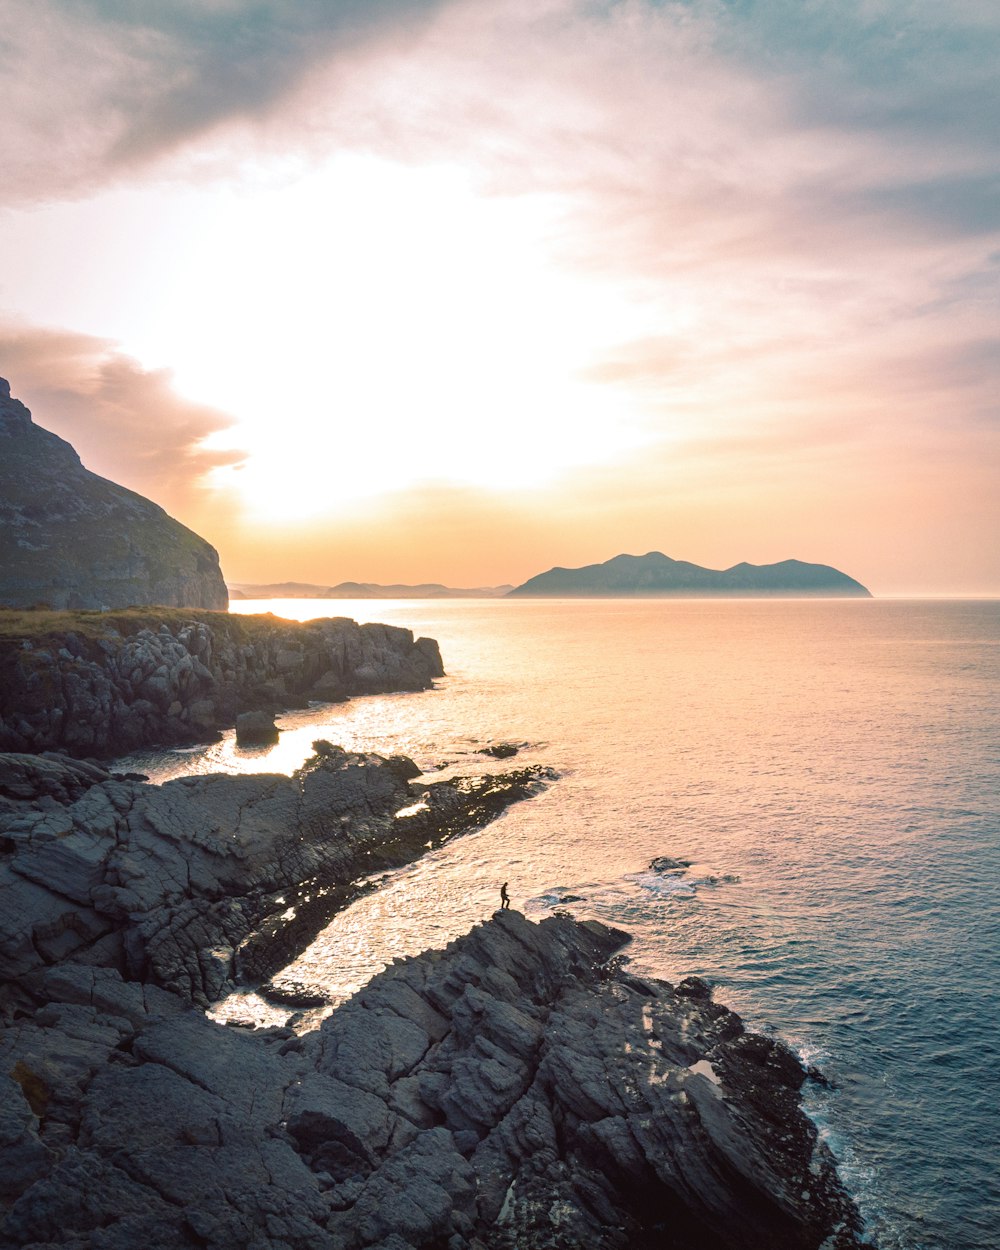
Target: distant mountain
(657, 575)
(71, 539)
(362, 590)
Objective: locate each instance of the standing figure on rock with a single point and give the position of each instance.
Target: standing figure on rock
(504, 896)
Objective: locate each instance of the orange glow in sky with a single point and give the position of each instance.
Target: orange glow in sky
(467, 291)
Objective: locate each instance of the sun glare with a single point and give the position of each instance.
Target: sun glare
(374, 327)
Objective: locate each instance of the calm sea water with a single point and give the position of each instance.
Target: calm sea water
(832, 772)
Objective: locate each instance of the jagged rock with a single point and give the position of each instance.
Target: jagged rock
(71, 539)
(518, 1090)
(185, 884)
(117, 682)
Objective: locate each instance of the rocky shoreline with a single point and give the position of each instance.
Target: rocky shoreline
(203, 881)
(518, 1089)
(104, 684)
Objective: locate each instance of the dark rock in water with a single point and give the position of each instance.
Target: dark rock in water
(294, 994)
(112, 683)
(501, 750)
(512, 1092)
(71, 539)
(694, 987)
(256, 729)
(664, 863)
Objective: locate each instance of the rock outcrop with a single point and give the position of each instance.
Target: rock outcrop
(71, 539)
(190, 884)
(105, 684)
(656, 575)
(516, 1090)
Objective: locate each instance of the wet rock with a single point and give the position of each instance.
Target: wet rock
(664, 863)
(190, 884)
(514, 1090)
(256, 729)
(501, 750)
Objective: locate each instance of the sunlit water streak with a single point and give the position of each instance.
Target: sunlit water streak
(839, 758)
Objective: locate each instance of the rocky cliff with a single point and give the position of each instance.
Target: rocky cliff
(515, 1091)
(71, 539)
(518, 1089)
(655, 574)
(107, 683)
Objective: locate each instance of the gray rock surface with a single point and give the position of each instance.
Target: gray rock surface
(71, 539)
(516, 1090)
(185, 885)
(122, 681)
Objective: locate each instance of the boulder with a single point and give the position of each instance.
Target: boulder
(256, 729)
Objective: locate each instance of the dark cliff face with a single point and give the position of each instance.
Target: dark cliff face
(71, 539)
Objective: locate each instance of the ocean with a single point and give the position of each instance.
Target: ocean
(831, 772)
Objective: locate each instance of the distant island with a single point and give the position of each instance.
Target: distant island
(362, 590)
(656, 575)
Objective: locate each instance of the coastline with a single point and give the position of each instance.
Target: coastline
(521, 1087)
(101, 684)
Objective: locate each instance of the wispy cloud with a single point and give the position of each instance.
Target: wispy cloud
(802, 200)
(126, 422)
(94, 89)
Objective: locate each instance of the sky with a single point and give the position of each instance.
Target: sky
(459, 290)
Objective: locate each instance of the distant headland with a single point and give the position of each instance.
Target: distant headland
(361, 590)
(656, 575)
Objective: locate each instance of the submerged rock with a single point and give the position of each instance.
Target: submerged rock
(514, 1090)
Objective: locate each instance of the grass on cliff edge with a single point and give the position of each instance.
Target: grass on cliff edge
(46, 623)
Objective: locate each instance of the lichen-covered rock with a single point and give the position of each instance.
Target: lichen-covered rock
(71, 539)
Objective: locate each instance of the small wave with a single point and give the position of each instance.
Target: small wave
(663, 883)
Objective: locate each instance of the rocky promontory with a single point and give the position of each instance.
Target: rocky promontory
(103, 684)
(518, 1089)
(515, 1090)
(71, 539)
(191, 884)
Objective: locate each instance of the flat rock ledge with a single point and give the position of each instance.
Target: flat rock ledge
(110, 683)
(517, 1090)
(203, 881)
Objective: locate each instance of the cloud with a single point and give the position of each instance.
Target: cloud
(802, 196)
(94, 89)
(126, 422)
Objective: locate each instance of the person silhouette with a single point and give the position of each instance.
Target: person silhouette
(504, 896)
